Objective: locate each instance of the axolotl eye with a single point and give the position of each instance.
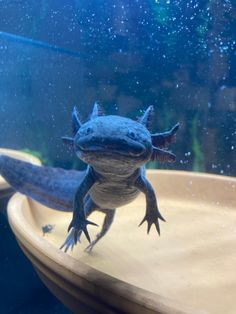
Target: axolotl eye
(85, 130)
(132, 135)
(89, 130)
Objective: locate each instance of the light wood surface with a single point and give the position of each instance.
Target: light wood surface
(189, 269)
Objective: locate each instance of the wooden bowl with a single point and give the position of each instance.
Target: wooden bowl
(5, 189)
(189, 269)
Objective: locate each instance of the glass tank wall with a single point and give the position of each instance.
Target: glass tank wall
(176, 55)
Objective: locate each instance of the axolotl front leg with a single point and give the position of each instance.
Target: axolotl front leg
(79, 222)
(90, 207)
(152, 212)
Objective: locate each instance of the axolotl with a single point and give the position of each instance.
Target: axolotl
(115, 150)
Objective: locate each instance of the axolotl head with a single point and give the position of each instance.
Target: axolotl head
(112, 143)
(118, 145)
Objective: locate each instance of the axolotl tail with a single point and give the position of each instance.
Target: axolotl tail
(52, 187)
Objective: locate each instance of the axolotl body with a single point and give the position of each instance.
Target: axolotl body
(115, 150)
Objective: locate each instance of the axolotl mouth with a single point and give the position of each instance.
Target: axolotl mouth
(113, 138)
(109, 146)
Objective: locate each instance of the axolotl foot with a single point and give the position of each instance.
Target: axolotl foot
(70, 240)
(75, 230)
(91, 245)
(80, 226)
(152, 217)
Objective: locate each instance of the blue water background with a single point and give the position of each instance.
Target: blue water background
(176, 55)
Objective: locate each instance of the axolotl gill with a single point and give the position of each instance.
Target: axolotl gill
(115, 150)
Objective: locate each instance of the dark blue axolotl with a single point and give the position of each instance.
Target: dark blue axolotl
(116, 150)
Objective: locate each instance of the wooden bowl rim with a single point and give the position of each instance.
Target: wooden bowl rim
(72, 268)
